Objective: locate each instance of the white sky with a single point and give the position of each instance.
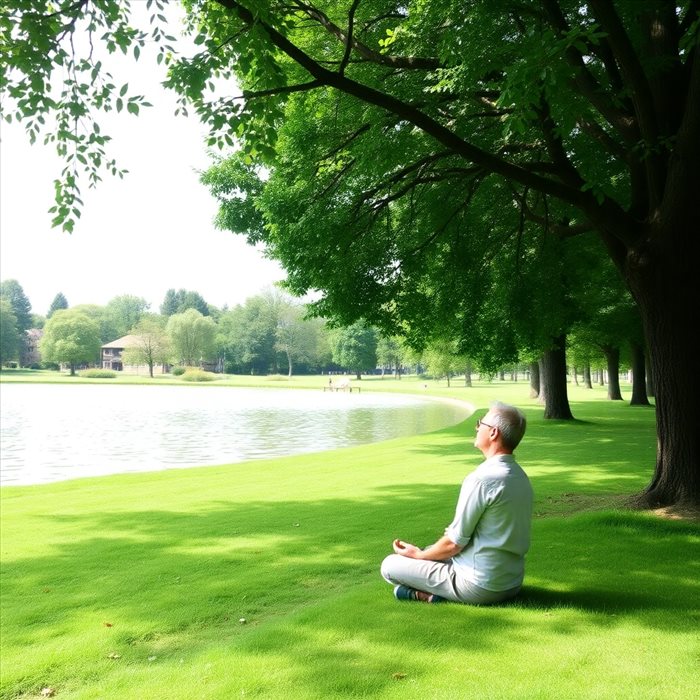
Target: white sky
(142, 235)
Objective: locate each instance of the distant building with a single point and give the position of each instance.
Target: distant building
(111, 357)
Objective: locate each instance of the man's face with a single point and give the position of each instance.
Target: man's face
(484, 430)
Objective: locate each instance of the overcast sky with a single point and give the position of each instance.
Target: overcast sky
(142, 235)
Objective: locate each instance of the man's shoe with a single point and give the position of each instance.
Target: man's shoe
(405, 593)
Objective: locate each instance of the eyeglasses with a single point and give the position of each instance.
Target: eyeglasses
(479, 423)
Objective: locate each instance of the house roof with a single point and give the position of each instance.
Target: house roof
(126, 341)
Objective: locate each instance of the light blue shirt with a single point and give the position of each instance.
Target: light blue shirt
(492, 523)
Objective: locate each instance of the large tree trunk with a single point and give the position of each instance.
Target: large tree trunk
(612, 357)
(665, 284)
(639, 389)
(553, 382)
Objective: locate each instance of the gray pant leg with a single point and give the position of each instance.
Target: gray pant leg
(428, 576)
(439, 577)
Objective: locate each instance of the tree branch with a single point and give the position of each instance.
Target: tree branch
(640, 89)
(283, 90)
(364, 50)
(587, 85)
(608, 213)
(555, 147)
(349, 42)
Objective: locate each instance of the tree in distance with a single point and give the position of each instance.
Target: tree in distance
(151, 343)
(192, 338)
(22, 309)
(355, 347)
(59, 302)
(9, 333)
(70, 337)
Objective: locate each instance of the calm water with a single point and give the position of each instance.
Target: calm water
(52, 432)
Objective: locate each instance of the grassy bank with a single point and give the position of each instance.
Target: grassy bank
(261, 579)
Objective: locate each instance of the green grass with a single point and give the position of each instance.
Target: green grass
(262, 579)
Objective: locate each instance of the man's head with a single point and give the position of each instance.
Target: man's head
(504, 424)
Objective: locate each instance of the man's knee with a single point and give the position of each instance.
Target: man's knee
(387, 568)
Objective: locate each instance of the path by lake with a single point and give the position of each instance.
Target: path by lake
(53, 432)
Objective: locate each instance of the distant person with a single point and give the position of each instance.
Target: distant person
(481, 557)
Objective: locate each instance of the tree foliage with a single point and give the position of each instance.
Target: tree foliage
(152, 346)
(70, 337)
(178, 301)
(9, 333)
(124, 312)
(355, 347)
(12, 291)
(59, 302)
(191, 337)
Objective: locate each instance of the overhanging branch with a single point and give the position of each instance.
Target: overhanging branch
(603, 209)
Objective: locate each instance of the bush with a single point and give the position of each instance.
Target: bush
(198, 375)
(178, 371)
(98, 373)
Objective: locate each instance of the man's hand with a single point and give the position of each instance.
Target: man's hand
(442, 550)
(406, 549)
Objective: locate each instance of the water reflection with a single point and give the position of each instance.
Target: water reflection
(57, 432)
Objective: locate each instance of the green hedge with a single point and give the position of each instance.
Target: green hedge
(98, 373)
(198, 375)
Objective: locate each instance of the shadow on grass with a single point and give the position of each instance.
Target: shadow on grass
(177, 583)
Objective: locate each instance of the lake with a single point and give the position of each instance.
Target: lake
(55, 432)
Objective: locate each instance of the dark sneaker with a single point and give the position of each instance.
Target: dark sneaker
(405, 593)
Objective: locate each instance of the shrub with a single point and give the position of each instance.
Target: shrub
(178, 371)
(277, 378)
(98, 373)
(198, 375)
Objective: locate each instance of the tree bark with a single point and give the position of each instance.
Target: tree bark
(639, 392)
(649, 376)
(534, 379)
(587, 376)
(670, 321)
(553, 380)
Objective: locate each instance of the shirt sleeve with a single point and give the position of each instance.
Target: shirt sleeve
(470, 505)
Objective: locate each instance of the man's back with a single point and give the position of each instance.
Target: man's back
(492, 521)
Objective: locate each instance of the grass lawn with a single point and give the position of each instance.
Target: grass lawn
(261, 580)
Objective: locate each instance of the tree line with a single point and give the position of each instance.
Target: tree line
(270, 333)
